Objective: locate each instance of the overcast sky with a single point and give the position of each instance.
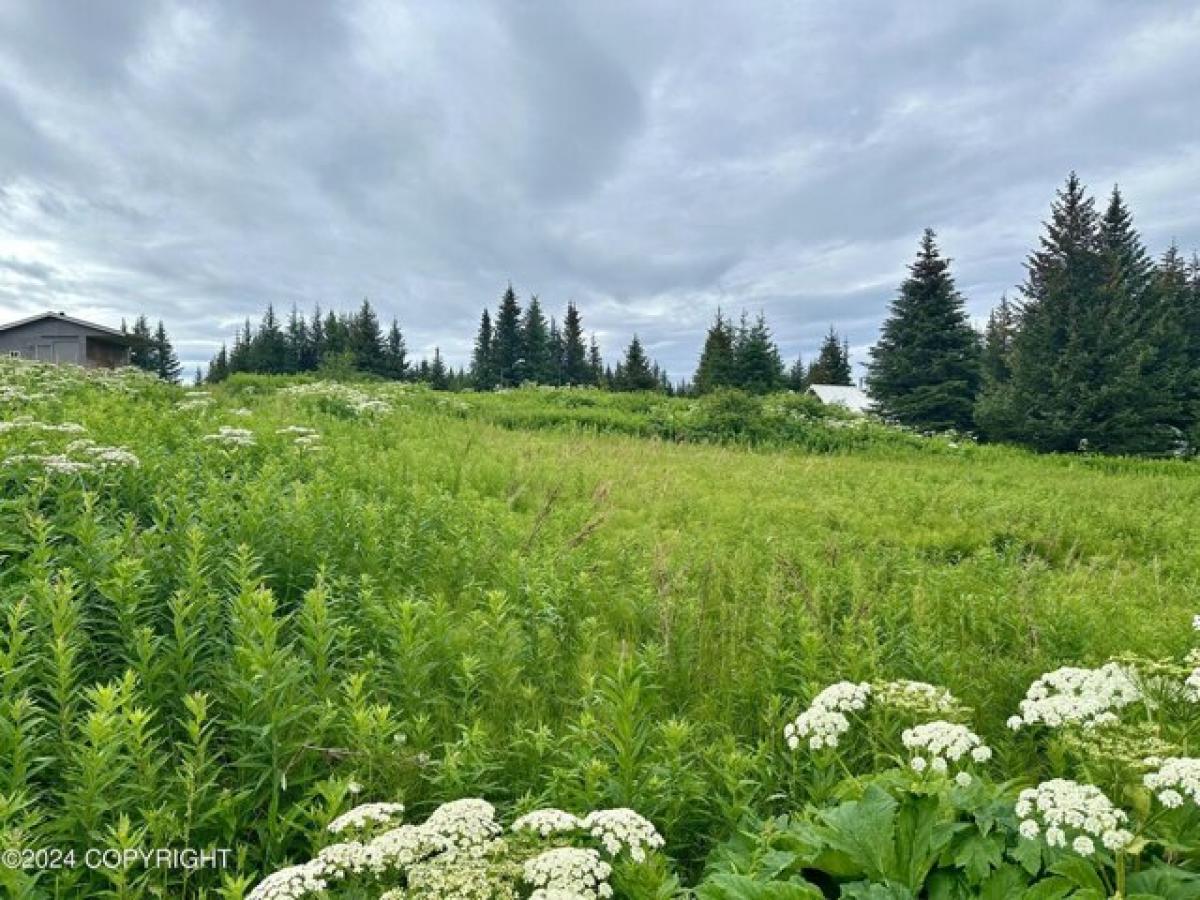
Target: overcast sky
(650, 160)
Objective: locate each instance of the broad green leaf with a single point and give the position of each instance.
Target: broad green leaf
(742, 887)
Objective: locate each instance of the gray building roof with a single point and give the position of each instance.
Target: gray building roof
(63, 317)
(854, 399)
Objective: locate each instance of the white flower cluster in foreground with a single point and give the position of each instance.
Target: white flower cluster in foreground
(1075, 696)
(229, 436)
(915, 696)
(546, 822)
(825, 721)
(623, 830)
(460, 852)
(569, 872)
(941, 745)
(1176, 780)
(367, 814)
(1069, 814)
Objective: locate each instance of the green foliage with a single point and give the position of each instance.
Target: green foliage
(541, 596)
(924, 369)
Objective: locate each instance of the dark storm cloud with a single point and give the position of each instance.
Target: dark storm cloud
(195, 161)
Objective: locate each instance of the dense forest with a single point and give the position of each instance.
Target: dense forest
(1099, 350)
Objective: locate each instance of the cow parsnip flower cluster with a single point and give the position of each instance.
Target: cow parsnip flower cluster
(941, 746)
(367, 814)
(825, 720)
(228, 436)
(1175, 780)
(916, 697)
(460, 852)
(546, 822)
(1065, 813)
(569, 871)
(623, 830)
(1077, 696)
(356, 401)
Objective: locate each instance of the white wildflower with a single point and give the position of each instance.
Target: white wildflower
(546, 822)
(623, 829)
(1075, 696)
(1176, 778)
(571, 870)
(825, 721)
(367, 814)
(1071, 814)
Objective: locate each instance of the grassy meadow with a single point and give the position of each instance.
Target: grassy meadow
(538, 597)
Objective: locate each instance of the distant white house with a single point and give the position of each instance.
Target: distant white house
(852, 398)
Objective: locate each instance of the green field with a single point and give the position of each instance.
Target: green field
(536, 597)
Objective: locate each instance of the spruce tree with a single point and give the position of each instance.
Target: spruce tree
(439, 378)
(316, 341)
(1053, 361)
(218, 369)
(395, 354)
(507, 346)
(483, 370)
(538, 364)
(998, 337)
(268, 347)
(141, 346)
(717, 365)
(797, 376)
(365, 340)
(757, 366)
(832, 365)
(556, 354)
(166, 363)
(924, 370)
(634, 373)
(576, 369)
(598, 373)
(295, 341)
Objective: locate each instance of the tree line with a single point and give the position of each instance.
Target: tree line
(1100, 350)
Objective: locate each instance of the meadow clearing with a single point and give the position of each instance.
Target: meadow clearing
(228, 618)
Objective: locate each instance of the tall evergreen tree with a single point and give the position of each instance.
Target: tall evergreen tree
(556, 353)
(365, 340)
(508, 355)
(599, 375)
(832, 365)
(316, 341)
(483, 363)
(268, 347)
(634, 373)
(797, 376)
(998, 335)
(717, 364)
(538, 364)
(1053, 359)
(576, 369)
(166, 363)
(924, 370)
(1090, 360)
(757, 366)
(395, 353)
(218, 369)
(141, 346)
(439, 378)
(296, 341)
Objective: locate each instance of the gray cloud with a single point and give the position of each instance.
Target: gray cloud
(195, 161)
